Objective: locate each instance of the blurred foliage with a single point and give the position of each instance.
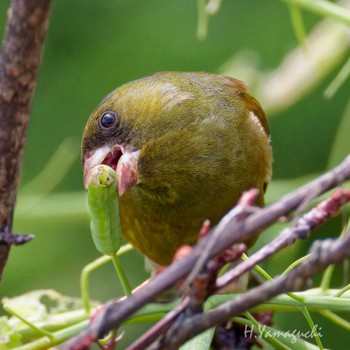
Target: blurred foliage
(94, 46)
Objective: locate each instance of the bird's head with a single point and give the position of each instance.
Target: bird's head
(174, 134)
(126, 120)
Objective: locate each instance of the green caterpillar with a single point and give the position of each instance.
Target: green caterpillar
(104, 210)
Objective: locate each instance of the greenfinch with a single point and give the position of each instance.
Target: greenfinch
(184, 147)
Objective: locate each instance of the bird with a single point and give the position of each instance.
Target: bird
(185, 146)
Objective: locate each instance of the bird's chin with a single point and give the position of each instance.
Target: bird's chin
(123, 161)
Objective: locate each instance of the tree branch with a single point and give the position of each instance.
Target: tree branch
(234, 231)
(20, 59)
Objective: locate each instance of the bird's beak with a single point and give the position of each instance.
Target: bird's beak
(124, 162)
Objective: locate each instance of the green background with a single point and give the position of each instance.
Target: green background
(94, 46)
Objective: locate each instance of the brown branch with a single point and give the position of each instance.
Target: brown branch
(20, 59)
(323, 253)
(235, 231)
(300, 230)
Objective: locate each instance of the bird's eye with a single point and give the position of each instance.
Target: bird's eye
(108, 120)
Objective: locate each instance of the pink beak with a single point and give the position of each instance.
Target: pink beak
(124, 162)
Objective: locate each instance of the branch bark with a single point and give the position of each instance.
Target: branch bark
(20, 59)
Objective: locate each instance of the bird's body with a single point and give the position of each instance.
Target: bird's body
(185, 147)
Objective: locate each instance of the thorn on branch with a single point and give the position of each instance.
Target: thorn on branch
(6, 237)
(204, 229)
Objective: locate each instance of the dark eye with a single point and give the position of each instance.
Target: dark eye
(108, 120)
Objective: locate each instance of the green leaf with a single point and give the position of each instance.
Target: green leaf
(36, 312)
(200, 342)
(9, 335)
(38, 304)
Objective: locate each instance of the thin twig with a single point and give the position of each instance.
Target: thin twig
(8, 238)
